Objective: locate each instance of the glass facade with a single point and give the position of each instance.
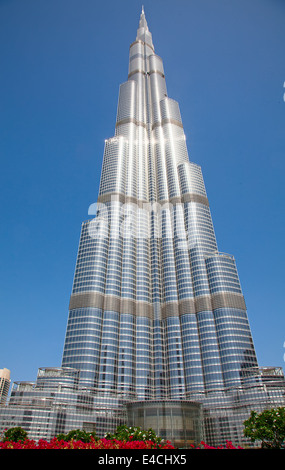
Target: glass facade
(156, 311)
(178, 421)
(56, 403)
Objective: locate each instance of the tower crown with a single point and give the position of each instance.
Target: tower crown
(143, 33)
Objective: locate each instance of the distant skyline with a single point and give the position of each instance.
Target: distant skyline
(62, 64)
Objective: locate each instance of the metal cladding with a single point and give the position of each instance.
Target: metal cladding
(156, 312)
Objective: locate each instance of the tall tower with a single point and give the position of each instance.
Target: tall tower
(157, 331)
(154, 305)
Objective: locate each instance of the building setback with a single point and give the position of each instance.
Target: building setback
(158, 333)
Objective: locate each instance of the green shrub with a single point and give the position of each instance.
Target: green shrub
(134, 433)
(77, 435)
(15, 434)
(267, 427)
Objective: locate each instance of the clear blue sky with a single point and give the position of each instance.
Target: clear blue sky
(62, 62)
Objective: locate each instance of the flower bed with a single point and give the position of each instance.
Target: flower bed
(100, 444)
(123, 438)
(229, 445)
(93, 444)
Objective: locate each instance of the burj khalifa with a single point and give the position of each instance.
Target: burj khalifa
(158, 331)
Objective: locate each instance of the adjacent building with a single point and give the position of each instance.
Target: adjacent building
(158, 332)
(5, 382)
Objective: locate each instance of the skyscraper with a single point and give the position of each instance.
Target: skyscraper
(4, 385)
(157, 325)
(159, 301)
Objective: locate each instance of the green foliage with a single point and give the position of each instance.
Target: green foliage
(134, 433)
(267, 427)
(15, 435)
(77, 435)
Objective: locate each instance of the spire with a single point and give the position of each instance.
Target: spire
(143, 22)
(143, 32)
